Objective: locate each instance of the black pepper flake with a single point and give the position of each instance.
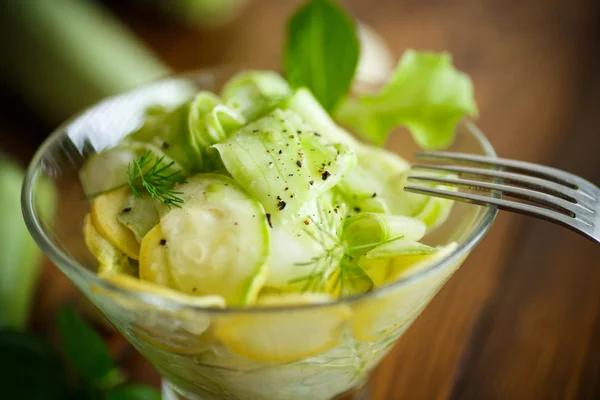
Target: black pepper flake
(299, 163)
(335, 210)
(269, 220)
(163, 242)
(280, 151)
(270, 162)
(306, 222)
(291, 174)
(357, 209)
(373, 196)
(165, 145)
(235, 223)
(281, 205)
(329, 163)
(255, 130)
(311, 182)
(291, 136)
(285, 131)
(286, 188)
(325, 175)
(299, 132)
(278, 197)
(292, 195)
(127, 209)
(317, 134)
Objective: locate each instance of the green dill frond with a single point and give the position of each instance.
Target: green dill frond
(154, 178)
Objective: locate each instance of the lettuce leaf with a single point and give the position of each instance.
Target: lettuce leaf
(254, 93)
(283, 162)
(168, 130)
(425, 93)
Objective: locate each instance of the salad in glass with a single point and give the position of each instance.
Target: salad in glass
(243, 239)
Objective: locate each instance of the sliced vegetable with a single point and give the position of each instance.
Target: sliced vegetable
(303, 103)
(425, 93)
(168, 130)
(139, 214)
(255, 93)
(211, 122)
(109, 258)
(282, 162)
(154, 264)
(107, 170)
(218, 241)
(306, 251)
(104, 212)
(409, 264)
(376, 184)
(364, 231)
(377, 261)
(285, 336)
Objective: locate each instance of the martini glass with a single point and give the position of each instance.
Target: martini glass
(316, 352)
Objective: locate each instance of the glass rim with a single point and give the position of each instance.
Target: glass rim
(62, 260)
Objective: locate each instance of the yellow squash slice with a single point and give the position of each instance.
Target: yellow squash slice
(109, 258)
(284, 336)
(104, 213)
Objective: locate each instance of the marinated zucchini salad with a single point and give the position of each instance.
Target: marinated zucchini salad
(272, 197)
(252, 196)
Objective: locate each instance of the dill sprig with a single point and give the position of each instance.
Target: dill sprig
(337, 258)
(154, 177)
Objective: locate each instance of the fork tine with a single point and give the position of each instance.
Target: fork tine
(548, 173)
(530, 182)
(556, 203)
(526, 209)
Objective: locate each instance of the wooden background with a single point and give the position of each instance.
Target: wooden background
(521, 318)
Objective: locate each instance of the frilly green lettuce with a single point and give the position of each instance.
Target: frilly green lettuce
(254, 93)
(425, 93)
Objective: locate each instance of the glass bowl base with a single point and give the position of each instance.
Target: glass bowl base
(169, 392)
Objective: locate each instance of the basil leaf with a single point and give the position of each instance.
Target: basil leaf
(83, 347)
(322, 51)
(133, 392)
(30, 368)
(425, 93)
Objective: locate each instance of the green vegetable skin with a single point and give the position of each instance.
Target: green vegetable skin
(19, 255)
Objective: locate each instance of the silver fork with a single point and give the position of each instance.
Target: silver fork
(551, 194)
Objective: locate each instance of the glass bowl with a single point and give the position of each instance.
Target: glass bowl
(316, 352)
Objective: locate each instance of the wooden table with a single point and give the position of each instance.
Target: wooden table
(521, 318)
